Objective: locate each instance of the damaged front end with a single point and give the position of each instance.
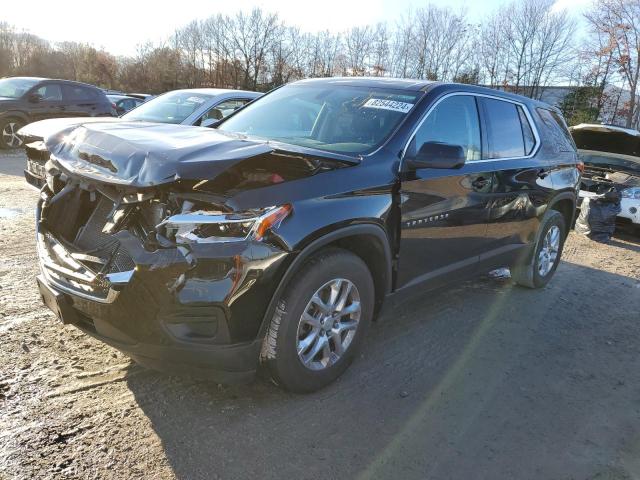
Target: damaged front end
(136, 271)
(611, 157)
(173, 273)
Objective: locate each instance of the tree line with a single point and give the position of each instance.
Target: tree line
(523, 46)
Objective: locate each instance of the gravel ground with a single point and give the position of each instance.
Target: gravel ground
(481, 380)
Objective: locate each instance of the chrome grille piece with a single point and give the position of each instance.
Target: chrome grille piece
(94, 265)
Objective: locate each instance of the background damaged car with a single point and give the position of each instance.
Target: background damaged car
(611, 157)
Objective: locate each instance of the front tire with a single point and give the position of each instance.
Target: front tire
(538, 269)
(320, 321)
(9, 138)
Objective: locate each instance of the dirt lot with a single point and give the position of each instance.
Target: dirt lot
(482, 380)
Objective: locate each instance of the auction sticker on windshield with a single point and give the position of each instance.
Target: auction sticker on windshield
(402, 107)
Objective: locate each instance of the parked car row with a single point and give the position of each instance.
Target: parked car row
(611, 157)
(28, 99)
(121, 104)
(273, 238)
(195, 107)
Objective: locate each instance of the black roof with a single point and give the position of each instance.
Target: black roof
(379, 82)
(420, 85)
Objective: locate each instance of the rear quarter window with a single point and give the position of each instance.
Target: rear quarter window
(76, 93)
(557, 130)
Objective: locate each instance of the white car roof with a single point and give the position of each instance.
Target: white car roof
(605, 128)
(216, 91)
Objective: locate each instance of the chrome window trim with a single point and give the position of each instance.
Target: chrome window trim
(524, 107)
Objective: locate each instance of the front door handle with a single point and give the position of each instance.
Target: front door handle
(480, 183)
(542, 173)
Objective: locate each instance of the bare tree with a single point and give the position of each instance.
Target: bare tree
(619, 22)
(525, 46)
(358, 45)
(254, 35)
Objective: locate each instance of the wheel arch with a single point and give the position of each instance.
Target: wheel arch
(367, 241)
(565, 203)
(17, 114)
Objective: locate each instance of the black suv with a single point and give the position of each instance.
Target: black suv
(27, 99)
(275, 238)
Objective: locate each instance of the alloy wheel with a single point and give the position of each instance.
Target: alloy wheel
(10, 135)
(549, 252)
(328, 324)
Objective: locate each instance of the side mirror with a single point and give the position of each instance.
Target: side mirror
(34, 97)
(438, 155)
(210, 123)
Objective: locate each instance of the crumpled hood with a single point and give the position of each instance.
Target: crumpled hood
(146, 154)
(141, 154)
(44, 128)
(605, 138)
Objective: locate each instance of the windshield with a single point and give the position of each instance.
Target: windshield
(341, 119)
(172, 107)
(16, 87)
(613, 161)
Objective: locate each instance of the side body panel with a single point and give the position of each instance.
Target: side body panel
(443, 225)
(488, 212)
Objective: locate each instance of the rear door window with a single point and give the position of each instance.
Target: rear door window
(75, 93)
(527, 132)
(504, 129)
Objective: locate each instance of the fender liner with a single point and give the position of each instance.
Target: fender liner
(314, 246)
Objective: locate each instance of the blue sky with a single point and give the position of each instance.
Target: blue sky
(125, 23)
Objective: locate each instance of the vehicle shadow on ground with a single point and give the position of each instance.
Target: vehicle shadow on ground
(440, 379)
(627, 235)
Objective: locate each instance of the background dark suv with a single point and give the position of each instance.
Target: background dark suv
(277, 236)
(27, 99)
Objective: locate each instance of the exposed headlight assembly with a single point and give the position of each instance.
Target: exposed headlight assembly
(210, 227)
(633, 192)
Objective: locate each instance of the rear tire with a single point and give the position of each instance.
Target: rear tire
(8, 133)
(325, 308)
(540, 265)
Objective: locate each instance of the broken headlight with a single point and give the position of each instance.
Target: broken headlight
(210, 227)
(633, 192)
